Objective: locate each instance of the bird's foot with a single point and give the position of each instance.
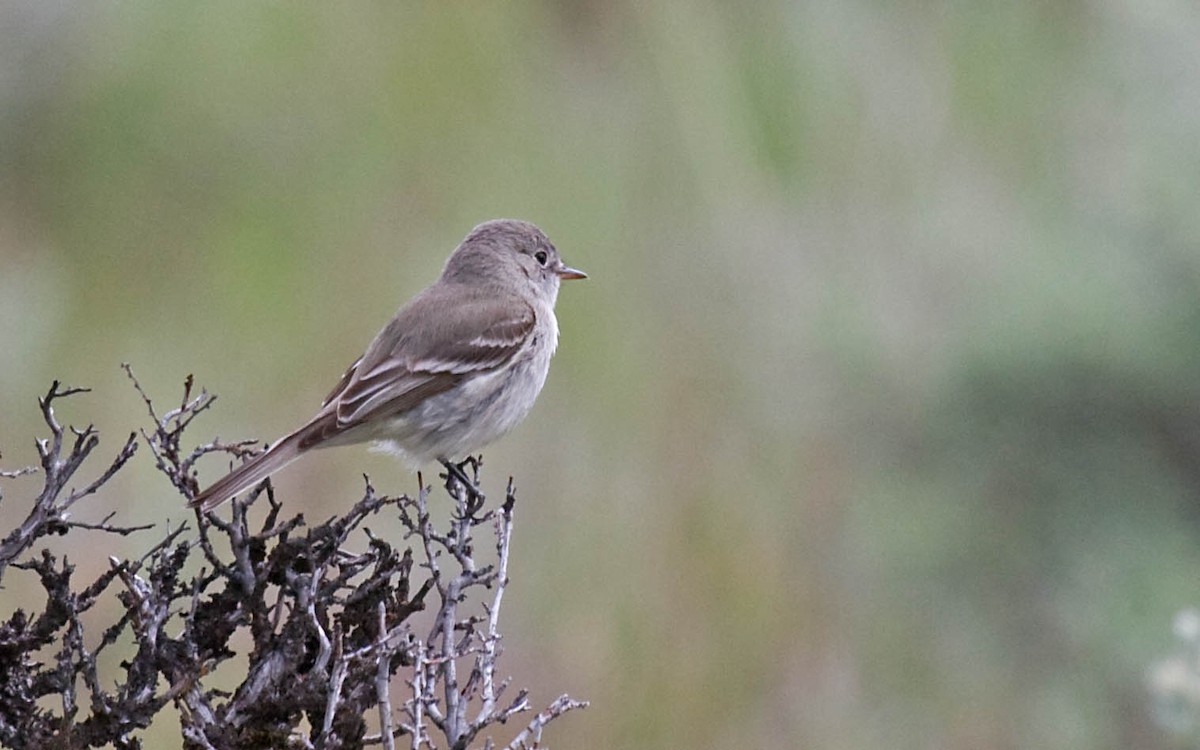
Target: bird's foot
(456, 475)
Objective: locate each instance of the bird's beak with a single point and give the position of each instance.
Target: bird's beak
(566, 272)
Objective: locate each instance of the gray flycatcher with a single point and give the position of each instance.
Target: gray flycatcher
(454, 369)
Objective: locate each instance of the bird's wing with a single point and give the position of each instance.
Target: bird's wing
(419, 356)
(345, 381)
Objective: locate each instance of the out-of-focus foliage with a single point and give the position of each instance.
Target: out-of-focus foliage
(878, 422)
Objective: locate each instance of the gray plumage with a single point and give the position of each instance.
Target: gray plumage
(458, 366)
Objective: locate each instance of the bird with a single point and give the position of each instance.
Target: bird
(457, 366)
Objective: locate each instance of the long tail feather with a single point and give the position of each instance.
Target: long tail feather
(249, 474)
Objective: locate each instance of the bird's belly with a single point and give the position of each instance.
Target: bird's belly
(464, 419)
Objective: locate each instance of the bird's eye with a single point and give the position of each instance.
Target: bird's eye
(540, 256)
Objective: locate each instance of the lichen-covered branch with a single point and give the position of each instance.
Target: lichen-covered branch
(326, 611)
(49, 512)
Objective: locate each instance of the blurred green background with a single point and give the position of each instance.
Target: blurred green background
(877, 423)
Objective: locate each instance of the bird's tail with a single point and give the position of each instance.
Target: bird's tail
(250, 473)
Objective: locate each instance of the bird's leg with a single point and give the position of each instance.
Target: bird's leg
(477, 498)
(456, 473)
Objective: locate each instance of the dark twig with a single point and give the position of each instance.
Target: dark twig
(325, 610)
(48, 514)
